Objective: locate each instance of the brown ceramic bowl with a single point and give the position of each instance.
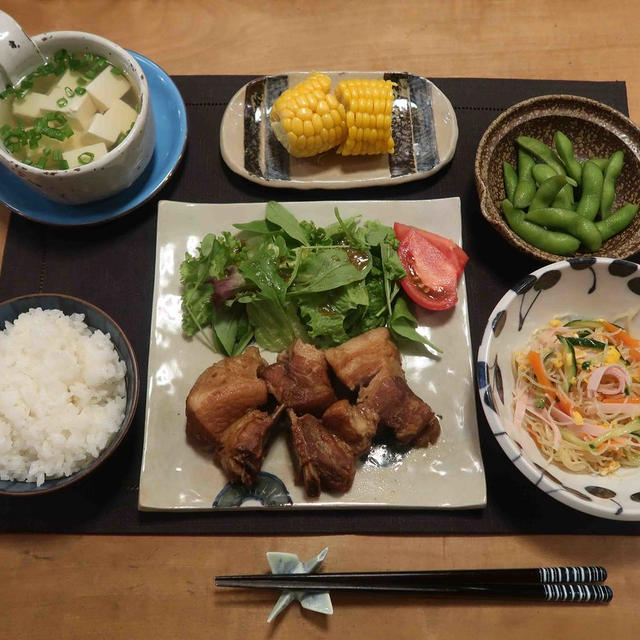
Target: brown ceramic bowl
(595, 129)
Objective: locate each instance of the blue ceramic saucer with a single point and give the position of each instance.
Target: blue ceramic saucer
(171, 135)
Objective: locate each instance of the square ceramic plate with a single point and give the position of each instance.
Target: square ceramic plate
(176, 476)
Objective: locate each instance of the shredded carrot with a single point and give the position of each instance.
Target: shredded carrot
(620, 335)
(538, 368)
(621, 400)
(634, 355)
(541, 375)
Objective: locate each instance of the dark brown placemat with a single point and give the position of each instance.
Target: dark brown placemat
(113, 266)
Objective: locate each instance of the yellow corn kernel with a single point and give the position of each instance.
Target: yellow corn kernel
(307, 119)
(368, 116)
(555, 322)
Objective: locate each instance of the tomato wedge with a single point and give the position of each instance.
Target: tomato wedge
(432, 275)
(447, 246)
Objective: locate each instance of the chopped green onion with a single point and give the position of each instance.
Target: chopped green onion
(81, 82)
(64, 164)
(68, 92)
(80, 91)
(46, 151)
(90, 74)
(62, 102)
(56, 155)
(117, 71)
(86, 157)
(42, 163)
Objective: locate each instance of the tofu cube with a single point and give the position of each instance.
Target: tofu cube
(79, 110)
(30, 108)
(106, 88)
(98, 150)
(67, 79)
(101, 130)
(107, 127)
(50, 143)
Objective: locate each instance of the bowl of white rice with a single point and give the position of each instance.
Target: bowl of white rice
(68, 394)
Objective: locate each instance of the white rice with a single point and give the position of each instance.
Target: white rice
(62, 395)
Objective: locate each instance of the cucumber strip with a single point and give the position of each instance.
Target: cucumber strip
(573, 439)
(614, 433)
(569, 362)
(586, 342)
(588, 324)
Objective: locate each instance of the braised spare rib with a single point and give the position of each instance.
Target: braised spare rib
(300, 379)
(411, 419)
(358, 360)
(356, 425)
(242, 445)
(325, 462)
(222, 394)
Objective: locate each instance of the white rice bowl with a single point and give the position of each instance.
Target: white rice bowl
(62, 396)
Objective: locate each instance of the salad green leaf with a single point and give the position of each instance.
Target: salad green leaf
(283, 279)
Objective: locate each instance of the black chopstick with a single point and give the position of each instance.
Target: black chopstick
(578, 593)
(540, 575)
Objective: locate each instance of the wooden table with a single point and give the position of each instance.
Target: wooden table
(161, 587)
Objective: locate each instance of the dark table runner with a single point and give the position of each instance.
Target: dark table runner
(113, 265)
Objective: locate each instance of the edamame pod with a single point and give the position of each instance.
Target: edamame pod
(542, 172)
(510, 180)
(616, 161)
(526, 187)
(564, 199)
(569, 221)
(540, 150)
(601, 162)
(592, 180)
(617, 221)
(564, 147)
(555, 242)
(547, 192)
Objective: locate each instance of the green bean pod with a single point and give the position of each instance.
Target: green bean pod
(592, 180)
(564, 199)
(540, 150)
(614, 168)
(564, 147)
(526, 187)
(569, 221)
(547, 192)
(617, 221)
(510, 179)
(558, 243)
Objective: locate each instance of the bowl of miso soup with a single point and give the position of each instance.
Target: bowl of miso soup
(79, 127)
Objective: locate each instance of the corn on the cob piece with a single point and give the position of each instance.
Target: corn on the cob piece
(368, 106)
(307, 119)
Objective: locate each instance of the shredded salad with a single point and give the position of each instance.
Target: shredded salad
(577, 393)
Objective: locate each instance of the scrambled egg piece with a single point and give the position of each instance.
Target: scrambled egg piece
(554, 322)
(609, 468)
(577, 417)
(611, 355)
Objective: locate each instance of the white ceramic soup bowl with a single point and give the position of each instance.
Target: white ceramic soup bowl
(579, 288)
(121, 166)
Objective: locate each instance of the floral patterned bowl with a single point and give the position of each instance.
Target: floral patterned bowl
(583, 287)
